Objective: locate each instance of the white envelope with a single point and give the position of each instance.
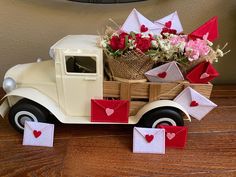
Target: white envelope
(149, 140)
(134, 22)
(38, 134)
(175, 22)
(196, 104)
(168, 72)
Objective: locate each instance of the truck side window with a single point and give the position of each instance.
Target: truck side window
(80, 64)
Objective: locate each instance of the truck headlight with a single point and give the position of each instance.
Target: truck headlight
(9, 84)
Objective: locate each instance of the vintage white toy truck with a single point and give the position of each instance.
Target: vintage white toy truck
(64, 86)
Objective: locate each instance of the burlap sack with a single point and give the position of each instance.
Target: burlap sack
(130, 66)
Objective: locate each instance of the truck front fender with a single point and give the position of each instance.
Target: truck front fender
(36, 96)
(159, 104)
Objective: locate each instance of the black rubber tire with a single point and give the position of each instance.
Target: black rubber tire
(150, 117)
(37, 110)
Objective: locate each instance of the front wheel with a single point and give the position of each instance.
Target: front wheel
(162, 116)
(26, 110)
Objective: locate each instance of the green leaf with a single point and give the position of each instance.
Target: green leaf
(126, 41)
(132, 34)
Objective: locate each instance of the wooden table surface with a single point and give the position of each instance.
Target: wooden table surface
(106, 150)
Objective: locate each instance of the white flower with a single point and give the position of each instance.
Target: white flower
(132, 44)
(167, 48)
(209, 43)
(154, 43)
(145, 35)
(159, 36)
(219, 53)
(131, 47)
(115, 34)
(181, 46)
(104, 43)
(166, 34)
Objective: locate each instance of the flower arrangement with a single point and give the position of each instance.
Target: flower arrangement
(162, 48)
(166, 46)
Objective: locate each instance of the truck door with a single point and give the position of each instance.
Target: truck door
(83, 80)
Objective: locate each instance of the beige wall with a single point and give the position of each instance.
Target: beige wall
(29, 27)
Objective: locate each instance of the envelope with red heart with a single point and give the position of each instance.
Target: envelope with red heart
(148, 140)
(137, 23)
(109, 111)
(168, 72)
(38, 134)
(171, 21)
(196, 104)
(210, 28)
(202, 73)
(176, 136)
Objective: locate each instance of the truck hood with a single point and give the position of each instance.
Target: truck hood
(33, 73)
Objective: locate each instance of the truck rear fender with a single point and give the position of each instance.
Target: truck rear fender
(160, 104)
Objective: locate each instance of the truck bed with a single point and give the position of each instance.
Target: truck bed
(140, 94)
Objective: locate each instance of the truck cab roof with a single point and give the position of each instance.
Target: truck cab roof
(81, 44)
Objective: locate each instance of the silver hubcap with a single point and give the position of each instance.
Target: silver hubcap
(23, 119)
(23, 116)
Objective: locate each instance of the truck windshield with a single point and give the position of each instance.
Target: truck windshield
(80, 64)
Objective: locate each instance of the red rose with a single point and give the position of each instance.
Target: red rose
(143, 43)
(114, 41)
(151, 37)
(138, 35)
(121, 44)
(118, 42)
(123, 34)
(168, 30)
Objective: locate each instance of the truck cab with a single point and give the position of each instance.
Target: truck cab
(64, 86)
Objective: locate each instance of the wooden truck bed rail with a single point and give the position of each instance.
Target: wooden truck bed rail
(140, 94)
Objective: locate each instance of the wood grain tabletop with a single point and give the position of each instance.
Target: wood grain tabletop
(106, 150)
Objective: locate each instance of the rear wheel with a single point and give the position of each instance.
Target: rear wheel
(163, 116)
(26, 110)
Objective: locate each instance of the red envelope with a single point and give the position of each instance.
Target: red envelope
(210, 27)
(109, 111)
(202, 73)
(176, 136)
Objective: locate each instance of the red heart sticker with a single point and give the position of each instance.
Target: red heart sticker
(143, 28)
(193, 104)
(162, 75)
(168, 24)
(37, 133)
(149, 138)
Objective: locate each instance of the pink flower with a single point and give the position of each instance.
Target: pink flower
(195, 49)
(177, 40)
(192, 54)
